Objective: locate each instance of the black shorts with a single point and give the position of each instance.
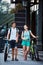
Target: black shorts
(13, 43)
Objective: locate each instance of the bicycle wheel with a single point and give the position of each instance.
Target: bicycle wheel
(36, 53)
(32, 56)
(36, 56)
(5, 55)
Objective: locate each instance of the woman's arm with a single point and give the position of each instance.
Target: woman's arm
(33, 35)
(22, 36)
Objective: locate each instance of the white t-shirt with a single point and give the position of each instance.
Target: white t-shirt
(12, 33)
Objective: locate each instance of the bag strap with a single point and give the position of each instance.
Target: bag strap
(16, 30)
(10, 32)
(23, 33)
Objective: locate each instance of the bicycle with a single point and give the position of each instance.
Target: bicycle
(34, 50)
(6, 50)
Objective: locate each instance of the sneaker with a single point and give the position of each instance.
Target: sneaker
(16, 59)
(13, 59)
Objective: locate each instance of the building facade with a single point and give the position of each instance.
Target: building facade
(32, 16)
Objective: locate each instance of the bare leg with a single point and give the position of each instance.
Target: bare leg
(12, 53)
(16, 52)
(24, 49)
(27, 51)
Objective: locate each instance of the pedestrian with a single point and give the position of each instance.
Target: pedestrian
(26, 41)
(13, 37)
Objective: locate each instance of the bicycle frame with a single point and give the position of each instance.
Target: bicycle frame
(32, 47)
(6, 46)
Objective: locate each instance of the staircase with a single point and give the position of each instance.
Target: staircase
(20, 19)
(41, 55)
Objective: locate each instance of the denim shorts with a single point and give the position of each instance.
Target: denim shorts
(13, 44)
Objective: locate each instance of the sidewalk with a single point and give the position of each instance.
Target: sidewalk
(20, 62)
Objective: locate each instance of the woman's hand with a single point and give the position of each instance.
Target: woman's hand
(37, 37)
(23, 38)
(33, 35)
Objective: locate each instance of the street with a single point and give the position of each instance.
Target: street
(20, 62)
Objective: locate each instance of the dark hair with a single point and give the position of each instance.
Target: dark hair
(13, 22)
